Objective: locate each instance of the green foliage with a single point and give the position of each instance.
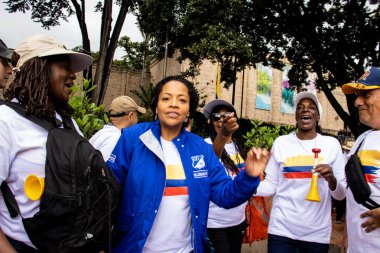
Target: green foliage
(135, 51)
(145, 95)
(263, 135)
(89, 117)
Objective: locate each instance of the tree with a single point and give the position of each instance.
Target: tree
(136, 53)
(335, 39)
(51, 13)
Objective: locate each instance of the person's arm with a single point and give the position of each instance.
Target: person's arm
(229, 126)
(5, 246)
(334, 174)
(118, 161)
(228, 193)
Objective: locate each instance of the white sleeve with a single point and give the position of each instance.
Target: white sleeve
(268, 186)
(338, 166)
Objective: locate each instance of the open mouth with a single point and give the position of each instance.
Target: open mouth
(69, 85)
(306, 117)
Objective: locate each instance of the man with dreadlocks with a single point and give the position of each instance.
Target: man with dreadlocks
(225, 228)
(44, 75)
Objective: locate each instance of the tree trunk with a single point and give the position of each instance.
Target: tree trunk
(104, 44)
(103, 75)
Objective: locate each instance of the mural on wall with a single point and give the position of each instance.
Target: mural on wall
(264, 83)
(287, 101)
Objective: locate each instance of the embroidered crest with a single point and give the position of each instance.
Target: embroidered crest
(198, 162)
(364, 76)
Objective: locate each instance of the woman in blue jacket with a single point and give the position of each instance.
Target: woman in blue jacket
(170, 175)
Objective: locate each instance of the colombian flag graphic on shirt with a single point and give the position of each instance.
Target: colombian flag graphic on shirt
(175, 181)
(299, 166)
(370, 164)
(238, 161)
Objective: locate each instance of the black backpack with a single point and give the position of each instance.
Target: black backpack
(357, 182)
(79, 198)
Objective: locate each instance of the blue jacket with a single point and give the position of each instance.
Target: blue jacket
(137, 162)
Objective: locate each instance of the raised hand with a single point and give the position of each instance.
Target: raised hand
(257, 160)
(327, 173)
(229, 125)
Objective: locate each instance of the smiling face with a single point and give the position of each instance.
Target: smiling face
(173, 106)
(307, 115)
(62, 79)
(368, 103)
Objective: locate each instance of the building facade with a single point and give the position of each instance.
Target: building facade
(251, 101)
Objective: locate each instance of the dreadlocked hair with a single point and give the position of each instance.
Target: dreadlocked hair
(237, 140)
(31, 88)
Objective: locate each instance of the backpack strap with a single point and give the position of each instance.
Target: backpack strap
(370, 203)
(10, 200)
(19, 108)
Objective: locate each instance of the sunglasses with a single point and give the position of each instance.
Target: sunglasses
(217, 116)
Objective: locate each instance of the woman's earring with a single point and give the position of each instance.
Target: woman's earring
(155, 117)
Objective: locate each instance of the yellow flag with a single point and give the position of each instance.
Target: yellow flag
(217, 88)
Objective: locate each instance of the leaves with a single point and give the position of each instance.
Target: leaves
(263, 135)
(89, 117)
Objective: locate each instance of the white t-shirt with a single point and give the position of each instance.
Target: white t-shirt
(22, 152)
(288, 176)
(105, 140)
(369, 154)
(171, 228)
(219, 217)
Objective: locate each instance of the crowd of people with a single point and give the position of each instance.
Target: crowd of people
(183, 193)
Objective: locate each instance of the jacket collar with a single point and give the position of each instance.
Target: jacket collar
(152, 139)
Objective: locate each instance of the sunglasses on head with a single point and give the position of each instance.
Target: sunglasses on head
(217, 116)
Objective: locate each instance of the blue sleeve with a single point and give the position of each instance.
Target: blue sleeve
(119, 160)
(228, 193)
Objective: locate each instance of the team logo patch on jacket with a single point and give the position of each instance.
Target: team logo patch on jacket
(198, 162)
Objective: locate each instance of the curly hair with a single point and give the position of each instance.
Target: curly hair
(193, 93)
(31, 87)
(237, 139)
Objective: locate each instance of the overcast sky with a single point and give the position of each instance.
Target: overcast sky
(16, 27)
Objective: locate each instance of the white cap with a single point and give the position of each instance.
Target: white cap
(42, 46)
(307, 94)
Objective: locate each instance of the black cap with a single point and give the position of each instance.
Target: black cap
(5, 52)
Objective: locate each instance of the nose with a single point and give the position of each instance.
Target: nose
(72, 75)
(358, 101)
(8, 70)
(174, 103)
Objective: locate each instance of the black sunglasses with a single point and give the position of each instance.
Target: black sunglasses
(217, 116)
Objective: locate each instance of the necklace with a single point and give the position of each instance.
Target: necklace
(302, 145)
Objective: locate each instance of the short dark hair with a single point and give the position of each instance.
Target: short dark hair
(193, 93)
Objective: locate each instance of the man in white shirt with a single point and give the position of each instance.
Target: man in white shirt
(123, 113)
(363, 225)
